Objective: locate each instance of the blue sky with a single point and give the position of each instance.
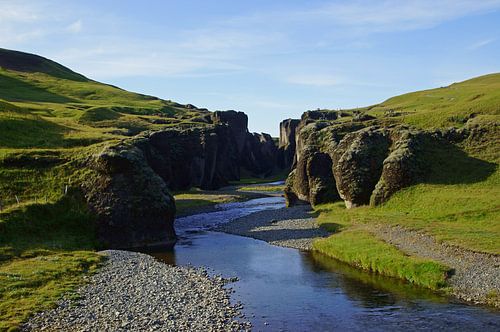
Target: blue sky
(271, 59)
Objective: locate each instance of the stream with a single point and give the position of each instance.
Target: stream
(285, 289)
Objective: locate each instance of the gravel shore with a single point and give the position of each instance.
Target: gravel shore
(288, 227)
(134, 292)
(476, 276)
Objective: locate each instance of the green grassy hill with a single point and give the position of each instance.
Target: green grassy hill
(453, 105)
(50, 117)
(46, 105)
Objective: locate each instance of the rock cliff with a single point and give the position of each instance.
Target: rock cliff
(286, 148)
(129, 189)
(357, 160)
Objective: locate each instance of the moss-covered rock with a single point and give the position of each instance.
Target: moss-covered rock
(133, 205)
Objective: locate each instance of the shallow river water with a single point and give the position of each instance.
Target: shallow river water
(287, 290)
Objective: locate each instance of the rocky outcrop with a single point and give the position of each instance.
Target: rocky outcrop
(237, 123)
(259, 154)
(355, 161)
(286, 147)
(197, 157)
(129, 187)
(132, 203)
(357, 164)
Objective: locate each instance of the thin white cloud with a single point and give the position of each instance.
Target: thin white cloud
(481, 43)
(374, 16)
(17, 12)
(75, 27)
(393, 14)
(313, 79)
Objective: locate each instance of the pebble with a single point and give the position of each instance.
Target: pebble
(135, 292)
(291, 227)
(476, 275)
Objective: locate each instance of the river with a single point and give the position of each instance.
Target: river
(285, 289)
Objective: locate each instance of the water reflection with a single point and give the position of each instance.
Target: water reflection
(284, 289)
(295, 291)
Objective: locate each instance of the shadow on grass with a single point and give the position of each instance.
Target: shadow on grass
(27, 133)
(32, 229)
(12, 89)
(448, 164)
(332, 227)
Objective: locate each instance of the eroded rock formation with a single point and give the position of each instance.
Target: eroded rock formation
(358, 161)
(129, 187)
(286, 147)
(133, 205)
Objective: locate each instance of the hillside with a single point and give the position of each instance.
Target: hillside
(46, 105)
(51, 121)
(48, 112)
(424, 162)
(448, 106)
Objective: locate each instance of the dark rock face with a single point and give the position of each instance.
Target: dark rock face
(402, 167)
(358, 162)
(238, 124)
(352, 160)
(129, 188)
(132, 203)
(322, 186)
(199, 157)
(259, 154)
(286, 148)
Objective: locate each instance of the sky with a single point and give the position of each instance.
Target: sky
(271, 59)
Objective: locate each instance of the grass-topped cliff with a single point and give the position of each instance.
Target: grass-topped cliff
(455, 185)
(51, 118)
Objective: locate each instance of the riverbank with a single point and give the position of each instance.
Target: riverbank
(133, 291)
(474, 276)
(197, 201)
(292, 227)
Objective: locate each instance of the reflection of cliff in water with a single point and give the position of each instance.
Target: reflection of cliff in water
(370, 289)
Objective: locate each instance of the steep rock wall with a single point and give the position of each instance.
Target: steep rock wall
(357, 161)
(130, 182)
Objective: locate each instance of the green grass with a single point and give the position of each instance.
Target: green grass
(50, 119)
(45, 251)
(31, 284)
(363, 250)
(248, 179)
(446, 106)
(262, 188)
(188, 201)
(457, 202)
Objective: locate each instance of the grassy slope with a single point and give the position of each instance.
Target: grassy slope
(458, 201)
(446, 106)
(50, 117)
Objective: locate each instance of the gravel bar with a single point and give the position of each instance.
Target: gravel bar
(288, 227)
(135, 292)
(476, 275)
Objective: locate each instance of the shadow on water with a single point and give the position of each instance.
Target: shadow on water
(369, 289)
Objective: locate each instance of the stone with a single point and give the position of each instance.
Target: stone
(133, 205)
